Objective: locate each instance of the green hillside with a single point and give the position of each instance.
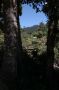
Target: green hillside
(35, 38)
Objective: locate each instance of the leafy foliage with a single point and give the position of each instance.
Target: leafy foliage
(36, 39)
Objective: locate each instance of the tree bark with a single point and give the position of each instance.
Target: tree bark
(50, 51)
(50, 44)
(11, 40)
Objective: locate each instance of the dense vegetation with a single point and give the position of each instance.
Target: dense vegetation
(35, 38)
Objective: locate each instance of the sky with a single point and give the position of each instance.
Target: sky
(30, 17)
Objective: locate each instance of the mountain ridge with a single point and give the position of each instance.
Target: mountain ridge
(34, 27)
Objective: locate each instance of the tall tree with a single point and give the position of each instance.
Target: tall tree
(52, 32)
(12, 42)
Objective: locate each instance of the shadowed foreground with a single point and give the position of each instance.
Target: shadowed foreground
(33, 76)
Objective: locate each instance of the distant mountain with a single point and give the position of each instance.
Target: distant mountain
(34, 27)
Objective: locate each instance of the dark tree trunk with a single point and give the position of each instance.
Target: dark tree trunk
(20, 67)
(12, 44)
(50, 44)
(52, 29)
